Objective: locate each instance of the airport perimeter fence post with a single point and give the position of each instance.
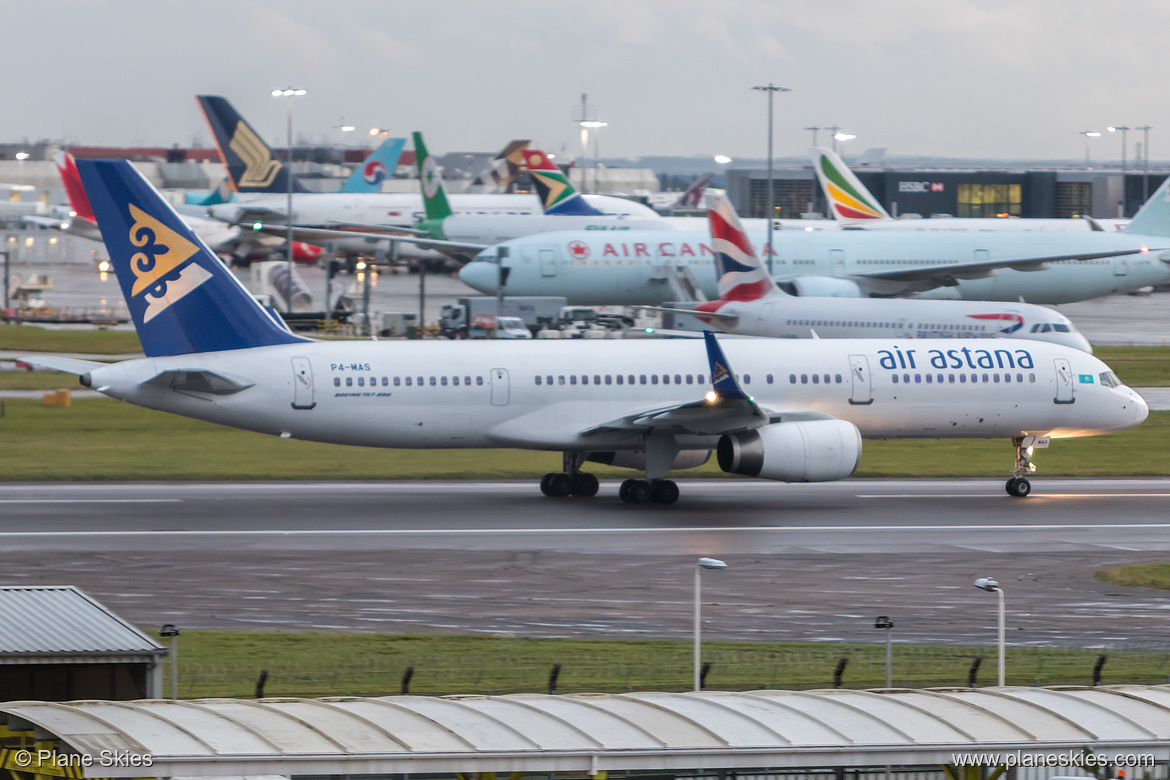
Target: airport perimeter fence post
(839, 672)
(973, 672)
(1101, 659)
(703, 675)
(263, 678)
(407, 674)
(553, 674)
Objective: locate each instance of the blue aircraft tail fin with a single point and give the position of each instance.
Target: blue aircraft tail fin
(722, 378)
(1153, 218)
(376, 168)
(250, 163)
(181, 296)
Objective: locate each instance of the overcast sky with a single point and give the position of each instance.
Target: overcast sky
(964, 78)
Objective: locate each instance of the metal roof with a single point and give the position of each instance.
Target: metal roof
(63, 624)
(590, 733)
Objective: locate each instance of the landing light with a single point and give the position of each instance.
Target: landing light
(104, 266)
(1145, 250)
(711, 396)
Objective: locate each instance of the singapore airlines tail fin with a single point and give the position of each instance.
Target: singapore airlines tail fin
(376, 168)
(849, 200)
(1153, 218)
(430, 178)
(182, 298)
(250, 163)
(557, 195)
(741, 275)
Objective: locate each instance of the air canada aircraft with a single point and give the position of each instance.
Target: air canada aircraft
(750, 304)
(793, 411)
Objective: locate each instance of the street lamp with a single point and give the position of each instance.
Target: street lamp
(586, 126)
(1123, 130)
(1089, 134)
(991, 586)
(715, 565)
(342, 129)
(1145, 161)
(172, 631)
(771, 89)
(814, 130)
(883, 621)
(722, 159)
(289, 93)
(842, 138)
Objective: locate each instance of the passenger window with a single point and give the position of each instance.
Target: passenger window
(690, 379)
(654, 379)
(837, 378)
(442, 381)
(572, 379)
(701, 378)
(455, 381)
(895, 377)
(792, 379)
(619, 379)
(361, 381)
(963, 378)
(929, 379)
(642, 379)
(1020, 378)
(747, 379)
(768, 379)
(816, 379)
(548, 380)
(397, 381)
(467, 381)
(1007, 378)
(349, 381)
(337, 381)
(609, 379)
(804, 379)
(906, 378)
(421, 382)
(951, 378)
(985, 379)
(630, 379)
(408, 381)
(538, 380)
(479, 380)
(995, 378)
(597, 379)
(385, 381)
(677, 379)
(917, 379)
(561, 379)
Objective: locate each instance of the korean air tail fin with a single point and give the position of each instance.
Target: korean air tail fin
(1153, 218)
(557, 195)
(376, 168)
(181, 296)
(849, 201)
(78, 201)
(741, 275)
(250, 163)
(430, 178)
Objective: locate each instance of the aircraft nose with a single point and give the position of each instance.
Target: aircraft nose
(1141, 410)
(1081, 343)
(480, 275)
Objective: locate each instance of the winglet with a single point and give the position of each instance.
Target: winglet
(722, 378)
(557, 195)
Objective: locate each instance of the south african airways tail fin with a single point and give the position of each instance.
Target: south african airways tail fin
(250, 163)
(376, 168)
(557, 195)
(181, 296)
(849, 201)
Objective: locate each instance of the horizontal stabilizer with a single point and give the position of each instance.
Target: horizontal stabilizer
(58, 363)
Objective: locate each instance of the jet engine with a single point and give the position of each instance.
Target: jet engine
(627, 459)
(822, 287)
(806, 451)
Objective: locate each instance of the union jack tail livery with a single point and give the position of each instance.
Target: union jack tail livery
(741, 276)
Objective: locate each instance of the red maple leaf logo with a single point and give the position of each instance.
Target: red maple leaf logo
(579, 250)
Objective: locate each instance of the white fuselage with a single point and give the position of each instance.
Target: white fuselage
(789, 316)
(546, 395)
(637, 267)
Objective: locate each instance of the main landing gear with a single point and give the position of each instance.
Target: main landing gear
(570, 482)
(1018, 485)
(641, 491)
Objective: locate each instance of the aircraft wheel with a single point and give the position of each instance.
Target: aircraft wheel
(584, 485)
(635, 491)
(663, 491)
(559, 485)
(1018, 487)
(545, 482)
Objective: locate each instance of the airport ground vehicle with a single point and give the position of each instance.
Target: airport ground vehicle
(456, 319)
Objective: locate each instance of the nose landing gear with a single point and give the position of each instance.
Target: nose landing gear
(1018, 485)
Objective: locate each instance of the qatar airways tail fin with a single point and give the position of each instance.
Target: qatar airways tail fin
(376, 168)
(557, 195)
(741, 275)
(250, 163)
(181, 296)
(692, 196)
(849, 201)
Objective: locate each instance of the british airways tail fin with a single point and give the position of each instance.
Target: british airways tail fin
(250, 163)
(849, 201)
(741, 275)
(376, 168)
(78, 202)
(557, 195)
(1153, 218)
(182, 298)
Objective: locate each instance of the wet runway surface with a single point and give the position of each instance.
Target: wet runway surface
(809, 562)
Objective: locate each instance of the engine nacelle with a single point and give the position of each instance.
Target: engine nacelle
(627, 459)
(807, 451)
(823, 287)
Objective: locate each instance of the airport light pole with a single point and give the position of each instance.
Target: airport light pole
(842, 137)
(883, 621)
(833, 130)
(771, 89)
(1089, 134)
(1145, 161)
(991, 586)
(586, 126)
(814, 130)
(289, 93)
(172, 631)
(1123, 130)
(714, 565)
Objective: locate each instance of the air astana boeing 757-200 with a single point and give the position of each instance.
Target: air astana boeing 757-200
(793, 411)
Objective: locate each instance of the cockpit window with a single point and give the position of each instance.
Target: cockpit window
(1060, 327)
(1109, 379)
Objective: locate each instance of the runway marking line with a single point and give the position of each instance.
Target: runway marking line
(992, 495)
(91, 500)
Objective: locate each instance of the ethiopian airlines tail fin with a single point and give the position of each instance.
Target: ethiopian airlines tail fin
(741, 275)
(1153, 218)
(376, 168)
(557, 195)
(182, 298)
(849, 201)
(430, 178)
(250, 163)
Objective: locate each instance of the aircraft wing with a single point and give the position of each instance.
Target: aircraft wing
(726, 319)
(320, 234)
(43, 221)
(948, 274)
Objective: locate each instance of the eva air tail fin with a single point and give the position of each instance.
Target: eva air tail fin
(849, 201)
(181, 296)
(557, 195)
(250, 163)
(376, 168)
(1153, 218)
(430, 178)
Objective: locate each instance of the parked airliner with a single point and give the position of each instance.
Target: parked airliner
(776, 409)
(750, 304)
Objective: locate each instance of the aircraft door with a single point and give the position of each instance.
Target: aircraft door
(1121, 265)
(500, 387)
(862, 387)
(548, 262)
(837, 262)
(302, 384)
(1065, 388)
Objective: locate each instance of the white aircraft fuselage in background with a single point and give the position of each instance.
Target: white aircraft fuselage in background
(636, 267)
